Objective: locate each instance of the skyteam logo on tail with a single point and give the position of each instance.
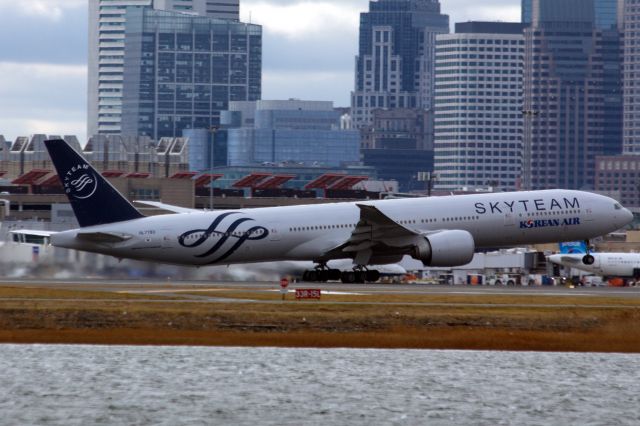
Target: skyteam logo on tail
(80, 182)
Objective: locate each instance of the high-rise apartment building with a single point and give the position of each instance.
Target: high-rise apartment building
(395, 62)
(478, 107)
(631, 77)
(108, 35)
(605, 12)
(572, 95)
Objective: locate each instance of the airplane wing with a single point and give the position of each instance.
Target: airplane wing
(377, 238)
(103, 237)
(167, 207)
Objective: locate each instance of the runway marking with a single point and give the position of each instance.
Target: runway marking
(329, 292)
(169, 290)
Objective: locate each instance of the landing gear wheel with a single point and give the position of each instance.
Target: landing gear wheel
(348, 277)
(588, 259)
(312, 276)
(361, 277)
(373, 276)
(335, 274)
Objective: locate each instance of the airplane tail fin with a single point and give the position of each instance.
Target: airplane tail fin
(575, 247)
(93, 199)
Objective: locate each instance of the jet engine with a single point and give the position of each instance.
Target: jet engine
(446, 248)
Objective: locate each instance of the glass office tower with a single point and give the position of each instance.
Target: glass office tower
(395, 62)
(180, 71)
(107, 39)
(572, 95)
(605, 12)
(289, 132)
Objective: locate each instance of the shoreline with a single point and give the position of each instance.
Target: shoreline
(443, 339)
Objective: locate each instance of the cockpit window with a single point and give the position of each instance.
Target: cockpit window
(618, 207)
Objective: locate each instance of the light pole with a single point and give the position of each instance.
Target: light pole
(430, 178)
(212, 130)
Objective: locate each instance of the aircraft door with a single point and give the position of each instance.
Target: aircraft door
(274, 231)
(166, 239)
(510, 234)
(588, 212)
(510, 219)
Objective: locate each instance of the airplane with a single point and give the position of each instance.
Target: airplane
(439, 231)
(620, 265)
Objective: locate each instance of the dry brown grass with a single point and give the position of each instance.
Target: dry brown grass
(497, 322)
(475, 299)
(52, 293)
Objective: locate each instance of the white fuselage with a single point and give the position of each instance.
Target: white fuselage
(308, 232)
(605, 264)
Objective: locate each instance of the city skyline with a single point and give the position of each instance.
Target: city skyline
(312, 57)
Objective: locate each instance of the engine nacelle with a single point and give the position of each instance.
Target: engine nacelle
(446, 248)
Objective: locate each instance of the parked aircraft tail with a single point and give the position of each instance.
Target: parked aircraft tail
(575, 247)
(93, 199)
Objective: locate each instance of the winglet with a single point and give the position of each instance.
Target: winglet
(93, 199)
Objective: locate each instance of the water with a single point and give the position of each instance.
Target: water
(73, 385)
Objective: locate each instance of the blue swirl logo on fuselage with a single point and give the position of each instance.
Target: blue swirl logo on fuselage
(197, 237)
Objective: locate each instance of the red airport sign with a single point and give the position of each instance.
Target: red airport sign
(307, 293)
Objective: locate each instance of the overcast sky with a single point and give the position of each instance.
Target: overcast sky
(309, 53)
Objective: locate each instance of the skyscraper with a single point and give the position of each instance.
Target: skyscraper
(107, 40)
(181, 71)
(223, 9)
(572, 95)
(395, 64)
(478, 106)
(605, 12)
(631, 78)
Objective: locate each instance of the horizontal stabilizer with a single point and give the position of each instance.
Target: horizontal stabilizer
(30, 236)
(103, 237)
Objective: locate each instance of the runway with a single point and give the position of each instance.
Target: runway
(167, 287)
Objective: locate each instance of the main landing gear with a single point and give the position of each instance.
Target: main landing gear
(322, 273)
(588, 259)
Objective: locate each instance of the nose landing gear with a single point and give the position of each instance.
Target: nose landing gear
(588, 259)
